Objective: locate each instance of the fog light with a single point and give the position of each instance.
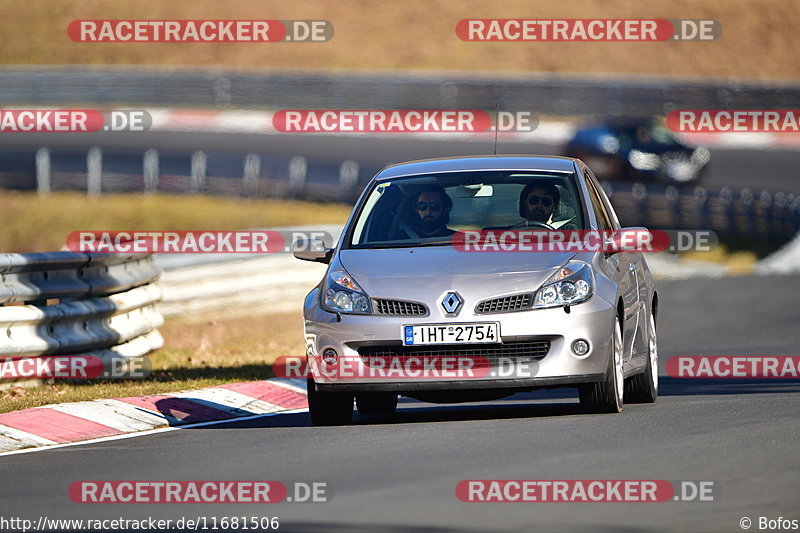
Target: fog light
(580, 347)
(329, 356)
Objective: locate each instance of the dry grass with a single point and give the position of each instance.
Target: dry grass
(759, 38)
(199, 354)
(739, 262)
(31, 223)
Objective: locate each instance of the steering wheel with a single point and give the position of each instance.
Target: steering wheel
(531, 223)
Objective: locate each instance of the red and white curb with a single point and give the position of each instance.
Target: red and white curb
(97, 419)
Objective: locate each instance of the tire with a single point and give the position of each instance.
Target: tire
(607, 396)
(329, 408)
(376, 403)
(643, 388)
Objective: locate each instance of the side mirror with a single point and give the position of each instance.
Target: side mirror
(636, 239)
(312, 250)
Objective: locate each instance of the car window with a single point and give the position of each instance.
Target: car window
(390, 216)
(645, 135)
(612, 215)
(597, 205)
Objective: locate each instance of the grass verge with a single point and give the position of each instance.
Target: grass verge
(33, 223)
(738, 262)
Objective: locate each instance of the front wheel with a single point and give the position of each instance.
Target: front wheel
(643, 388)
(607, 396)
(329, 408)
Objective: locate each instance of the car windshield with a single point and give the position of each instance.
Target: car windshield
(646, 135)
(425, 210)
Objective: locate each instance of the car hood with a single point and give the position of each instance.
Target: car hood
(425, 272)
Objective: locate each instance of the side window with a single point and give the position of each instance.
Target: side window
(612, 216)
(597, 205)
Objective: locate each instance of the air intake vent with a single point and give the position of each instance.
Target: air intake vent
(506, 304)
(484, 354)
(398, 308)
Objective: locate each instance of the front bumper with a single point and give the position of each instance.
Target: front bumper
(461, 385)
(591, 320)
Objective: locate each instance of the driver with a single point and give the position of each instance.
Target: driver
(538, 201)
(432, 212)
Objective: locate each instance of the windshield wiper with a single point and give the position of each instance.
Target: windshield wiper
(403, 245)
(434, 243)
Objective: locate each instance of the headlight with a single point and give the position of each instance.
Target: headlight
(572, 284)
(643, 160)
(341, 294)
(681, 171)
(609, 144)
(701, 156)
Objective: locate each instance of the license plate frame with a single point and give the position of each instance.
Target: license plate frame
(451, 333)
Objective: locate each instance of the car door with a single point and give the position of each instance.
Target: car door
(620, 266)
(636, 265)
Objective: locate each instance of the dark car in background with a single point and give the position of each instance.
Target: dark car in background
(638, 149)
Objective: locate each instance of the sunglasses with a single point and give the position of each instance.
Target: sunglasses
(423, 206)
(544, 200)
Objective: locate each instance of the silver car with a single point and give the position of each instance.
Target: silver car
(423, 298)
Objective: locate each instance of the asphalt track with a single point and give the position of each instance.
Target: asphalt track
(742, 167)
(399, 474)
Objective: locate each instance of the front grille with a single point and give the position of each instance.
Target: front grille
(520, 351)
(398, 308)
(506, 304)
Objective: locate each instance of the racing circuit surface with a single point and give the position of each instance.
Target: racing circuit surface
(400, 474)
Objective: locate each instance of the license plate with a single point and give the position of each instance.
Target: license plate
(485, 332)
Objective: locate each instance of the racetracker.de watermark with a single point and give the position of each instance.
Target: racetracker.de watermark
(73, 367)
(73, 120)
(194, 242)
(633, 30)
(565, 241)
(734, 366)
(203, 492)
(734, 121)
(402, 121)
(582, 490)
(402, 367)
(199, 31)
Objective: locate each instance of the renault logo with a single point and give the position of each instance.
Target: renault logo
(451, 302)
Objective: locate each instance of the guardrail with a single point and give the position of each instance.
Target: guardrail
(96, 171)
(272, 284)
(63, 303)
(729, 212)
(546, 94)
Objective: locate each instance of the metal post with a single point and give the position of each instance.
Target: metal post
(43, 171)
(298, 167)
(199, 162)
(252, 169)
(94, 168)
(150, 170)
(348, 174)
